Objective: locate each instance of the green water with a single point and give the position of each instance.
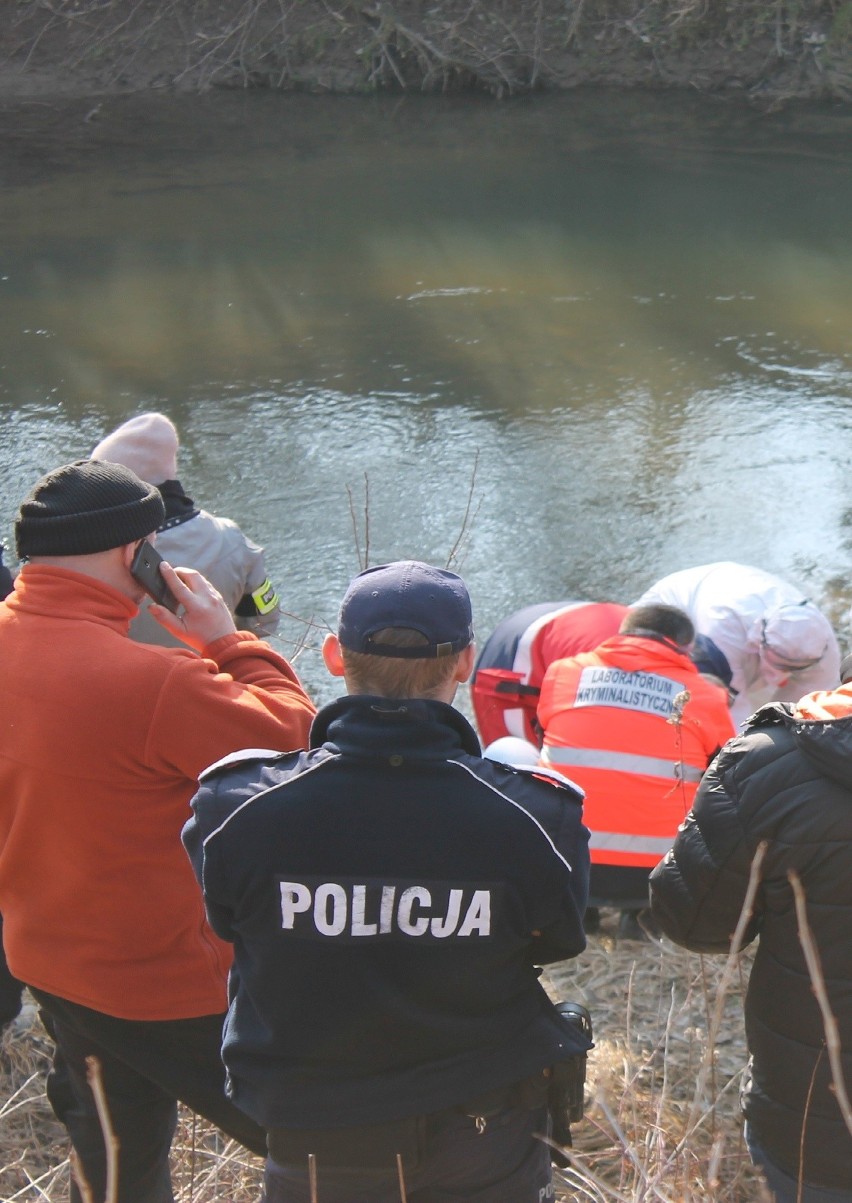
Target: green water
(616, 331)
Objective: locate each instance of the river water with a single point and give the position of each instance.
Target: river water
(573, 342)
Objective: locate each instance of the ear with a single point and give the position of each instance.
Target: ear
(128, 551)
(464, 668)
(332, 656)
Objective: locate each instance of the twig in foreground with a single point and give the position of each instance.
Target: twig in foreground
(363, 561)
(467, 520)
(699, 1110)
(403, 1197)
(93, 1077)
(832, 1035)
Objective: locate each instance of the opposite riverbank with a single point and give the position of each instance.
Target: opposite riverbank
(769, 51)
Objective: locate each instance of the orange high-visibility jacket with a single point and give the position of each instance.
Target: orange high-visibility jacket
(635, 724)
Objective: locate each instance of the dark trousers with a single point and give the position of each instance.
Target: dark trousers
(621, 886)
(506, 1162)
(146, 1068)
(786, 1189)
(11, 989)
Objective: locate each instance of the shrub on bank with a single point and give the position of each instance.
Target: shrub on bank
(771, 49)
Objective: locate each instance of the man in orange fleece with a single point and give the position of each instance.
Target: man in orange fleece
(102, 741)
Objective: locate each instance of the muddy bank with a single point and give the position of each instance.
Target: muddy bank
(767, 51)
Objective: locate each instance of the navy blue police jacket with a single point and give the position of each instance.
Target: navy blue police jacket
(389, 895)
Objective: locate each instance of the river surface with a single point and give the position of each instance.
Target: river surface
(572, 343)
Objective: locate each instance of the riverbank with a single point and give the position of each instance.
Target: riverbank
(661, 1091)
(770, 51)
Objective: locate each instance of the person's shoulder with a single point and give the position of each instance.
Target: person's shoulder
(232, 785)
(708, 693)
(538, 776)
(232, 533)
(538, 812)
(246, 759)
(567, 665)
(757, 752)
(519, 782)
(209, 519)
(266, 767)
(160, 662)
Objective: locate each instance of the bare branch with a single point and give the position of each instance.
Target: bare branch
(96, 1085)
(312, 1177)
(361, 564)
(467, 520)
(832, 1034)
(80, 1178)
(403, 1197)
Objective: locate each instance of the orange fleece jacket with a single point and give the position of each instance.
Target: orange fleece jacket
(101, 742)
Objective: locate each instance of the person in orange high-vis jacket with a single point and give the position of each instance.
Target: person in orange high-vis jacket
(635, 724)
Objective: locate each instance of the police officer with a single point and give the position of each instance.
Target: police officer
(389, 895)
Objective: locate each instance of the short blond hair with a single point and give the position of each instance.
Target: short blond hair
(390, 677)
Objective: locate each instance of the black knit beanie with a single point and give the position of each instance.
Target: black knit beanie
(86, 507)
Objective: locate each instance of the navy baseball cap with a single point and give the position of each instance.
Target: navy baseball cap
(412, 596)
(708, 658)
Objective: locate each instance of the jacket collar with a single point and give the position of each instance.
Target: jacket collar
(363, 725)
(61, 593)
(638, 653)
(179, 506)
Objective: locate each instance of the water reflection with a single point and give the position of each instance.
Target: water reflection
(632, 314)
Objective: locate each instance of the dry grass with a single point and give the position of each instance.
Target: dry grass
(662, 1122)
(32, 1143)
(33, 1146)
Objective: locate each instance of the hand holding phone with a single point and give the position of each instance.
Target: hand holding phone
(145, 570)
(204, 616)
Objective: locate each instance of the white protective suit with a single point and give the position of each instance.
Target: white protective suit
(762, 625)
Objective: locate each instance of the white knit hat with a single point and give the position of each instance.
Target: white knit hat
(797, 635)
(147, 444)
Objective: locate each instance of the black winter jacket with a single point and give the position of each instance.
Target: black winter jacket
(381, 891)
(786, 781)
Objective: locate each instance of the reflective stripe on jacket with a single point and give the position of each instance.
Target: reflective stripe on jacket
(634, 724)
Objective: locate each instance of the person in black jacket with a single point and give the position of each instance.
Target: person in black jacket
(779, 796)
(390, 895)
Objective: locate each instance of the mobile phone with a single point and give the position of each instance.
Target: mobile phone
(145, 569)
